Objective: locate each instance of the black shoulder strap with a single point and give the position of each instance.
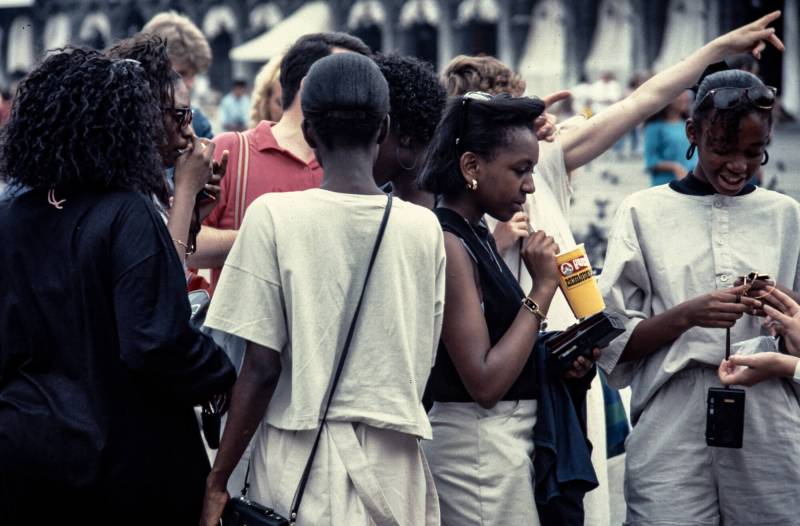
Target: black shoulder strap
(298, 497)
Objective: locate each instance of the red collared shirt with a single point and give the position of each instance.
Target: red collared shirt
(272, 169)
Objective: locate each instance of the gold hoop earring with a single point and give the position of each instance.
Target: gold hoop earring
(473, 185)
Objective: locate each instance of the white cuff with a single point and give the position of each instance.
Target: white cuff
(797, 372)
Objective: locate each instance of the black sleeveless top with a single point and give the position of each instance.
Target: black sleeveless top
(502, 297)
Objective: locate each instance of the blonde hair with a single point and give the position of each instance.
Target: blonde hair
(263, 88)
(186, 44)
(482, 73)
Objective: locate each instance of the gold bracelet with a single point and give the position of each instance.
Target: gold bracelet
(189, 249)
(534, 309)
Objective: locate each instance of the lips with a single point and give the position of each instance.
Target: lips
(732, 182)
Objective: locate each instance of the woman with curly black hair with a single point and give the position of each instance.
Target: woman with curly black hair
(189, 156)
(417, 100)
(99, 368)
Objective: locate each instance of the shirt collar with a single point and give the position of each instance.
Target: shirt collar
(263, 139)
(691, 185)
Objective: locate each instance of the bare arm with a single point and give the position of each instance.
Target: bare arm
(599, 133)
(251, 395)
(213, 246)
(717, 310)
(487, 371)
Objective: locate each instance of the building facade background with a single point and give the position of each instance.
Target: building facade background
(551, 42)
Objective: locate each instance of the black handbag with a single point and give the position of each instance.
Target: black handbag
(241, 511)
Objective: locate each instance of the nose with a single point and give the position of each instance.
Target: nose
(527, 184)
(737, 165)
(187, 132)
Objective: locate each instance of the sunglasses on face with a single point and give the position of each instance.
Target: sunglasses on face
(762, 97)
(182, 116)
(470, 95)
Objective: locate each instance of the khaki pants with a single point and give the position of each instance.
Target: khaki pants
(361, 476)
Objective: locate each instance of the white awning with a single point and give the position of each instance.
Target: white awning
(419, 12)
(20, 56)
(265, 16)
(8, 4)
(478, 11)
(314, 17)
(366, 13)
(57, 32)
(219, 19)
(95, 23)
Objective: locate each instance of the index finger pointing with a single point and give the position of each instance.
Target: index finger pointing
(557, 96)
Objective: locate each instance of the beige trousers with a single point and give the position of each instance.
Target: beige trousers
(361, 475)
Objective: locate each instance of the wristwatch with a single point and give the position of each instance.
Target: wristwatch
(534, 309)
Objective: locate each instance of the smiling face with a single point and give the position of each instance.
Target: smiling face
(505, 180)
(726, 164)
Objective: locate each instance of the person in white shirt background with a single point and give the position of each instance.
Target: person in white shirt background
(235, 107)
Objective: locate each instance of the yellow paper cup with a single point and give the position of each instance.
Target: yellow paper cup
(578, 283)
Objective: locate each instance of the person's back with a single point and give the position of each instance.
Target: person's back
(99, 368)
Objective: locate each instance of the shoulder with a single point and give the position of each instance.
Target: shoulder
(226, 140)
(776, 200)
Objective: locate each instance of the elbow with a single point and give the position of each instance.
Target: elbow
(486, 397)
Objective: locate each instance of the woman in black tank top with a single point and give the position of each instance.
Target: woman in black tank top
(483, 383)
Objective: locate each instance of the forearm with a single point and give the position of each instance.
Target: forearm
(213, 246)
(251, 395)
(599, 133)
(654, 333)
(504, 361)
(179, 220)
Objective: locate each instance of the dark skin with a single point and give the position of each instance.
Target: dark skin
(503, 184)
(347, 170)
(727, 168)
(399, 162)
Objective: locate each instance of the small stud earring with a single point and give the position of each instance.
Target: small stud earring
(473, 185)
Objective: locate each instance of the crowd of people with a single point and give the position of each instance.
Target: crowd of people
(382, 244)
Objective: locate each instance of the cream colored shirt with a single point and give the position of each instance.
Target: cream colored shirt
(292, 281)
(666, 248)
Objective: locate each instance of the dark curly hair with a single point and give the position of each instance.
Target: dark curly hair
(416, 96)
(151, 52)
(82, 121)
(478, 126)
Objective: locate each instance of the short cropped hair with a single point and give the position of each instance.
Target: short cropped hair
(482, 73)
(309, 49)
(186, 44)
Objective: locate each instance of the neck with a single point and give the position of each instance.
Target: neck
(349, 172)
(464, 205)
(406, 189)
(289, 134)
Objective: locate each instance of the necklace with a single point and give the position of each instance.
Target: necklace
(484, 245)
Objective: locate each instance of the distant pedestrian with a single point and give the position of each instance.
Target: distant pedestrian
(234, 107)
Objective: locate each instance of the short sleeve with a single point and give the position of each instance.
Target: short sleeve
(151, 307)
(248, 302)
(625, 285)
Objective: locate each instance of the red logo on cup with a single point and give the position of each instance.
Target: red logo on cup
(567, 269)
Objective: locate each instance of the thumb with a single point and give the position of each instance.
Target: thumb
(777, 315)
(743, 359)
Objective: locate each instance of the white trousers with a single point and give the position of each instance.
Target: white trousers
(673, 478)
(361, 475)
(482, 463)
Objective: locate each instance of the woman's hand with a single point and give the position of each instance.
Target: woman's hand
(507, 233)
(719, 309)
(539, 256)
(754, 368)
(785, 321)
(214, 503)
(212, 188)
(545, 124)
(194, 167)
(581, 366)
(752, 37)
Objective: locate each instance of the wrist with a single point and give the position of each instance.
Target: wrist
(682, 318)
(216, 480)
(789, 365)
(544, 286)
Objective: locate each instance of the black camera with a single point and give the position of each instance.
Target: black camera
(596, 331)
(725, 417)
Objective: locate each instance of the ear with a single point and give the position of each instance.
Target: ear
(692, 133)
(470, 166)
(308, 134)
(383, 131)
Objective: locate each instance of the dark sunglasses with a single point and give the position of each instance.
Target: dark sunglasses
(182, 116)
(462, 125)
(762, 97)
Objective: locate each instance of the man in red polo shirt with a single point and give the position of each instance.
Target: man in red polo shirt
(279, 158)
